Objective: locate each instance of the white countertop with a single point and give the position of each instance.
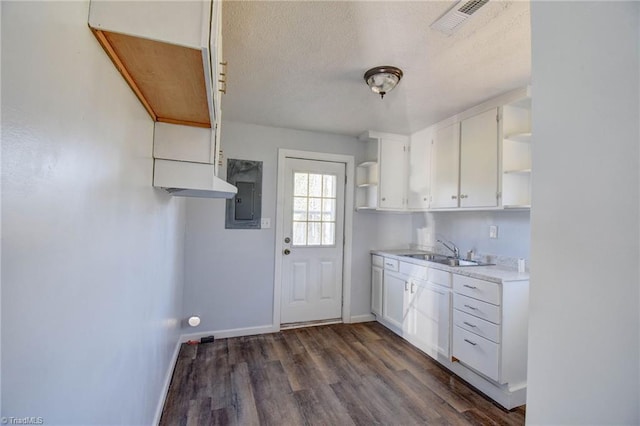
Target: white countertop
(494, 273)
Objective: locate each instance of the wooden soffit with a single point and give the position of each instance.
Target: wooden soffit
(168, 79)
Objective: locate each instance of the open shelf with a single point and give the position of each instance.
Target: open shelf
(518, 171)
(519, 137)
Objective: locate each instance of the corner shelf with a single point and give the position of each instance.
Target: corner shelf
(516, 155)
(517, 172)
(367, 185)
(519, 137)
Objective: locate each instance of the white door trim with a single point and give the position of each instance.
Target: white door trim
(349, 161)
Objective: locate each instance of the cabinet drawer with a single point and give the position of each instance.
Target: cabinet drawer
(436, 276)
(414, 271)
(478, 289)
(477, 308)
(477, 326)
(391, 264)
(377, 260)
(476, 352)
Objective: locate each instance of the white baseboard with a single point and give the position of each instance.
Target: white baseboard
(236, 332)
(362, 318)
(167, 381)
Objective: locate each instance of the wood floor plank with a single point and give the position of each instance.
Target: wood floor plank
(339, 374)
(243, 400)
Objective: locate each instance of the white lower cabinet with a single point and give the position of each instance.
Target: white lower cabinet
(490, 328)
(476, 328)
(427, 322)
(393, 299)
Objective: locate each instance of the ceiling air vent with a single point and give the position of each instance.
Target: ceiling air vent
(457, 15)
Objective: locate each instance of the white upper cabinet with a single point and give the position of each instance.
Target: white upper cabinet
(445, 163)
(479, 160)
(419, 179)
(393, 173)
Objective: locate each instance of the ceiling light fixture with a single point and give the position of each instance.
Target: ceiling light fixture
(383, 79)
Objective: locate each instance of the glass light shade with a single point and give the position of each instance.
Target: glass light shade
(383, 79)
(382, 83)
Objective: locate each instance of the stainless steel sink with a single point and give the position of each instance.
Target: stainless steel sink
(446, 260)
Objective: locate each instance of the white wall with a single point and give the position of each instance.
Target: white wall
(470, 231)
(584, 328)
(92, 255)
(230, 272)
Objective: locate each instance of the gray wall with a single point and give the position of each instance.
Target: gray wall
(584, 326)
(92, 255)
(470, 231)
(230, 273)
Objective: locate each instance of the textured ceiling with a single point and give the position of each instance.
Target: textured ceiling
(300, 64)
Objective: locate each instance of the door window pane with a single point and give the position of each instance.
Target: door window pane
(299, 233)
(315, 236)
(300, 208)
(301, 184)
(314, 209)
(328, 233)
(329, 186)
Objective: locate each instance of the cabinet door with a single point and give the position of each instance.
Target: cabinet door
(479, 160)
(393, 299)
(392, 173)
(419, 180)
(445, 165)
(376, 290)
(429, 315)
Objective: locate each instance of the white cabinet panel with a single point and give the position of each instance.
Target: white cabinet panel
(392, 173)
(477, 308)
(376, 289)
(413, 270)
(393, 299)
(427, 322)
(419, 180)
(479, 160)
(391, 264)
(445, 165)
(478, 353)
(478, 289)
(482, 328)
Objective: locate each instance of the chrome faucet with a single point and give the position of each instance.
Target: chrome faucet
(454, 249)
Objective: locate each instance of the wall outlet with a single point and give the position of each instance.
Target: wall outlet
(493, 231)
(265, 223)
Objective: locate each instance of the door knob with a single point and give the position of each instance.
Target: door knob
(287, 252)
(287, 240)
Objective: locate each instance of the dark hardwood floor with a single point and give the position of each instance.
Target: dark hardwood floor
(341, 374)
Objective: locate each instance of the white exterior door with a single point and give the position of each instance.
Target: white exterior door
(312, 256)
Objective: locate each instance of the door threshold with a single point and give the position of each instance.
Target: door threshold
(292, 325)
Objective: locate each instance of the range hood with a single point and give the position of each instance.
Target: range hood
(186, 179)
(184, 162)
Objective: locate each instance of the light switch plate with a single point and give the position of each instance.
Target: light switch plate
(265, 223)
(493, 231)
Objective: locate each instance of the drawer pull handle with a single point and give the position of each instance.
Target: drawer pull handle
(406, 286)
(470, 342)
(470, 307)
(469, 286)
(470, 325)
(413, 288)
